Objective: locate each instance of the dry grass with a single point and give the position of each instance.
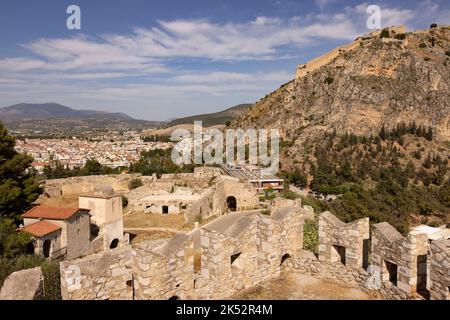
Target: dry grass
(155, 220)
(138, 236)
(295, 286)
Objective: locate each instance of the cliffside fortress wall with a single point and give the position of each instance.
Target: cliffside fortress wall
(308, 67)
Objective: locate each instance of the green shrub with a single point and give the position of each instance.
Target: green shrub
(447, 53)
(52, 280)
(426, 59)
(400, 36)
(199, 218)
(433, 25)
(328, 80)
(422, 45)
(290, 195)
(8, 266)
(135, 183)
(385, 33)
(311, 236)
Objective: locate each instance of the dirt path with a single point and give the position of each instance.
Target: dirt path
(296, 286)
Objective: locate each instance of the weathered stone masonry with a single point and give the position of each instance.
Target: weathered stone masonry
(400, 261)
(102, 276)
(341, 242)
(440, 270)
(239, 253)
(240, 250)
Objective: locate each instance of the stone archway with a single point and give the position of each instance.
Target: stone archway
(284, 258)
(47, 246)
(231, 203)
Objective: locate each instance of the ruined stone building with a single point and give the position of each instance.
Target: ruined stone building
(401, 267)
(255, 176)
(58, 233)
(226, 195)
(400, 261)
(347, 243)
(165, 203)
(440, 270)
(105, 206)
(236, 252)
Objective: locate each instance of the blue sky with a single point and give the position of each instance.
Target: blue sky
(157, 60)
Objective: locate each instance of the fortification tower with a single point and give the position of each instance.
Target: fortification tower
(106, 213)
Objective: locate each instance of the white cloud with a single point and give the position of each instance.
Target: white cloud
(323, 3)
(143, 67)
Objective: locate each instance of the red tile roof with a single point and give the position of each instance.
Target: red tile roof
(51, 213)
(41, 228)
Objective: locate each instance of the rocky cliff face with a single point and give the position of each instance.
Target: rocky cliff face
(384, 81)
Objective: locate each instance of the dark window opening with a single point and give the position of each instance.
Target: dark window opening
(340, 251)
(421, 272)
(183, 207)
(114, 243)
(366, 249)
(129, 283)
(392, 271)
(234, 257)
(30, 248)
(165, 209)
(174, 298)
(47, 246)
(231, 203)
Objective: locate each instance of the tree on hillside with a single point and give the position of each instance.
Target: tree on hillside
(93, 167)
(19, 187)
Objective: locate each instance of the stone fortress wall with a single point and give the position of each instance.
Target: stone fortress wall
(306, 68)
(242, 249)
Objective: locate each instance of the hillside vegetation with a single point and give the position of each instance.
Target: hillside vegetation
(371, 125)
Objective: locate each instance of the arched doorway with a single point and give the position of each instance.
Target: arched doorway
(47, 246)
(114, 243)
(231, 203)
(284, 258)
(174, 298)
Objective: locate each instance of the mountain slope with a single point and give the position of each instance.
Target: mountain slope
(52, 119)
(26, 111)
(371, 124)
(212, 119)
(383, 81)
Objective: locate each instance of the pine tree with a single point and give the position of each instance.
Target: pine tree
(19, 187)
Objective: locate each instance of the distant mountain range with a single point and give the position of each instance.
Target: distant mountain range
(28, 111)
(212, 119)
(53, 118)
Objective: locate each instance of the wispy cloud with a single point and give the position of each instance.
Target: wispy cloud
(144, 66)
